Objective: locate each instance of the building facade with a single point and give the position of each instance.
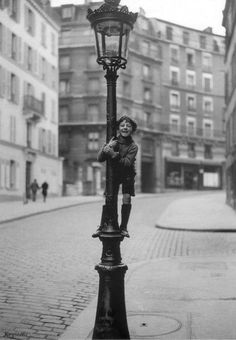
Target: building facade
(28, 98)
(172, 87)
(193, 146)
(229, 22)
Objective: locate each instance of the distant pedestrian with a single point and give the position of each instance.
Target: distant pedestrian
(44, 187)
(34, 188)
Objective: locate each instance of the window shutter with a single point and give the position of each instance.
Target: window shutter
(25, 55)
(7, 175)
(19, 50)
(3, 83)
(4, 40)
(9, 42)
(17, 179)
(35, 61)
(2, 179)
(17, 90)
(40, 66)
(26, 18)
(8, 85)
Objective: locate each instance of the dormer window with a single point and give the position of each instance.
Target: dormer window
(67, 12)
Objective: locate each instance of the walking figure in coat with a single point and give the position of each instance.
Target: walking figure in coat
(34, 188)
(44, 187)
(122, 151)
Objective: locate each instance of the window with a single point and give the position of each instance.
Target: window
(43, 96)
(93, 113)
(92, 61)
(207, 82)
(202, 41)
(53, 44)
(174, 76)
(64, 114)
(53, 111)
(126, 88)
(29, 58)
(12, 129)
(191, 102)
(174, 100)
(185, 37)
(54, 77)
(216, 46)
(29, 20)
(145, 47)
(64, 62)
(43, 69)
(174, 54)
(1, 37)
(208, 151)
(190, 79)
(12, 174)
(147, 94)
(207, 128)
(67, 12)
(174, 124)
(64, 87)
(93, 85)
(207, 61)
(175, 148)
(190, 56)
(146, 71)
(14, 9)
(13, 46)
(191, 150)
(169, 33)
(191, 126)
(93, 141)
(207, 105)
(13, 88)
(147, 118)
(29, 134)
(43, 34)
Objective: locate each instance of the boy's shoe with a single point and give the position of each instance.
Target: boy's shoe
(97, 232)
(124, 232)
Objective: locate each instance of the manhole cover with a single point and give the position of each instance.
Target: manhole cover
(152, 325)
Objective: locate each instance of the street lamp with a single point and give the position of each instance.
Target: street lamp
(112, 24)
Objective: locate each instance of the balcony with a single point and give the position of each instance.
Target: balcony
(33, 108)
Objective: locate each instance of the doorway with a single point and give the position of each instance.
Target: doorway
(147, 177)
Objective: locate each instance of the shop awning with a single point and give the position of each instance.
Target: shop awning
(193, 161)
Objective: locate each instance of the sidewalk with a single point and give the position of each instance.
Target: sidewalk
(180, 297)
(13, 210)
(207, 212)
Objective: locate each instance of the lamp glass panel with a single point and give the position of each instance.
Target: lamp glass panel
(112, 38)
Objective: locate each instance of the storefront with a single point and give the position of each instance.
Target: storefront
(192, 174)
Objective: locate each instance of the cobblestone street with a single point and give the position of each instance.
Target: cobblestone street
(47, 263)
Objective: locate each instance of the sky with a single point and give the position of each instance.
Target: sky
(197, 14)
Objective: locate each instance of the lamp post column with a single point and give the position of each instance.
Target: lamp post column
(111, 321)
(112, 24)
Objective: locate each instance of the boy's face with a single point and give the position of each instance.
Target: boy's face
(125, 128)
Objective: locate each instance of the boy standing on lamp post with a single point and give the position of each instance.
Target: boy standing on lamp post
(122, 151)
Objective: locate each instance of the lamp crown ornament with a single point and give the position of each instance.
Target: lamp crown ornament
(112, 6)
(112, 24)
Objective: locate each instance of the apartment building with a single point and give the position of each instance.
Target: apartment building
(193, 145)
(28, 98)
(172, 87)
(229, 22)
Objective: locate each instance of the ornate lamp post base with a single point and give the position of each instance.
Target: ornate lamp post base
(111, 322)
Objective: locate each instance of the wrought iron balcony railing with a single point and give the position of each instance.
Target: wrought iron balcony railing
(33, 108)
